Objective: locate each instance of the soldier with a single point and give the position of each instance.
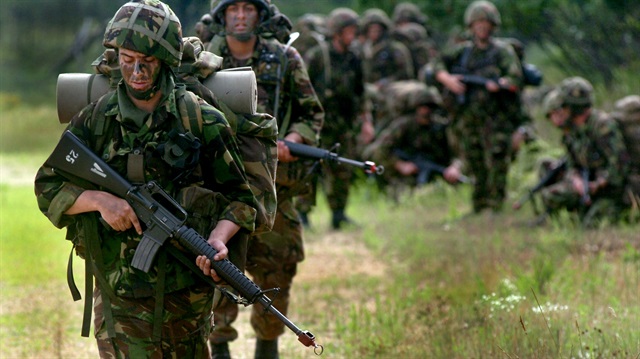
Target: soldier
(416, 145)
(312, 30)
(336, 73)
(167, 311)
(410, 28)
(285, 91)
(598, 162)
(482, 118)
(385, 60)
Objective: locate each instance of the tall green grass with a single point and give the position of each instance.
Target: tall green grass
(483, 286)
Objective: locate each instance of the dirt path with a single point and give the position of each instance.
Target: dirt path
(328, 255)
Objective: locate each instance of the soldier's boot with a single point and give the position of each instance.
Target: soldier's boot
(304, 219)
(340, 219)
(266, 349)
(220, 351)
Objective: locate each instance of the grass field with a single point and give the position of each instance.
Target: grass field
(416, 279)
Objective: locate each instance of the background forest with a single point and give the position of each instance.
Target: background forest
(596, 39)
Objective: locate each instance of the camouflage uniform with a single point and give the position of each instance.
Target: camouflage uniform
(339, 84)
(409, 136)
(484, 121)
(386, 60)
(421, 47)
(167, 311)
(596, 153)
(598, 148)
(272, 257)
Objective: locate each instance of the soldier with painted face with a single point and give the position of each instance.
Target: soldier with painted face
(336, 73)
(285, 91)
(598, 161)
(483, 120)
(135, 129)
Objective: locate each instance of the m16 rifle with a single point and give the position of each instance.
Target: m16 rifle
(548, 179)
(302, 150)
(162, 218)
(426, 167)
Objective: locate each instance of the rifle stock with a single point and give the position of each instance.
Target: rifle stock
(302, 150)
(162, 217)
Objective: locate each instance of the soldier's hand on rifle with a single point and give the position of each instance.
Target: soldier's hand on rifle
(579, 186)
(218, 239)
(115, 211)
(452, 82)
(367, 131)
(452, 174)
(284, 155)
(406, 168)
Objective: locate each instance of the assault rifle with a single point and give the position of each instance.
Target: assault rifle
(302, 150)
(481, 81)
(162, 218)
(545, 181)
(426, 167)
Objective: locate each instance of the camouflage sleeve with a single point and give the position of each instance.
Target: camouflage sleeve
(307, 114)
(447, 58)
(611, 143)
(225, 172)
(510, 65)
(54, 194)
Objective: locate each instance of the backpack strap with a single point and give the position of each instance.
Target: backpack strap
(189, 108)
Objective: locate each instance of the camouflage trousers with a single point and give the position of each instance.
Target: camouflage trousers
(487, 152)
(272, 260)
(186, 325)
(562, 195)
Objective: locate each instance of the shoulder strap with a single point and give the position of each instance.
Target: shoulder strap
(189, 108)
(99, 120)
(326, 59)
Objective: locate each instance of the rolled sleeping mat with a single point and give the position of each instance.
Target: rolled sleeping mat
(237, 88)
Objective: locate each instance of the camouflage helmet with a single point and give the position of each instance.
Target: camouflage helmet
(149, 27)
(627, 108)
(219, 6)
(411, 33)
(408, 12)
(482, 10)
(376, 16)
(552, 101)
(340, 18)
(426, 96)
(576, 91)
(310, 22)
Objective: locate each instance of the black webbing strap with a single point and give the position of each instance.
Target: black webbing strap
(159, 306)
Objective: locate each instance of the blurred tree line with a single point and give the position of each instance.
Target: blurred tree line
(592, 38)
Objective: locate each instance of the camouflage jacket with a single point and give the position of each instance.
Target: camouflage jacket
(299, 109)
(599, 147)
(217, 179)
(387, 60)
(339, 83)
(405, 134)
(299, 103)
(496, 61)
